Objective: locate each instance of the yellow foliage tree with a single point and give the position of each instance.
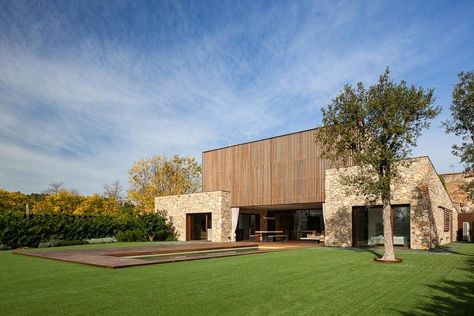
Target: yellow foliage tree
(62, 202)
(161, 176)
(97, 205)
(13, 200)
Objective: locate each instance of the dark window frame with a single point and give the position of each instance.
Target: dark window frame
(447, 220)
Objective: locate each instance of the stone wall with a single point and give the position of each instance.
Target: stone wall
(455, 184)
(420, 187)
(217, 203)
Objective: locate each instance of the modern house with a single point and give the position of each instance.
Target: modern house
(281, 188)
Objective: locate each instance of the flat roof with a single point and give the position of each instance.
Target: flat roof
(259, 140)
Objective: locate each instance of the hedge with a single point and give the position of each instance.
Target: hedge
(20, 230)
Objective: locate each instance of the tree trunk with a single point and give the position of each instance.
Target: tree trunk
(389, 253)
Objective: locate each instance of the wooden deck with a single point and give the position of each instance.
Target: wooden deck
(286, 245)
(117, 257)
(120, 257)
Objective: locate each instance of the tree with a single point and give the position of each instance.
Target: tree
(98, 205)
(62, 202)
(113, 191)
(161, 176)
(55, 187)
(13, 201)
(17, 201)
(375, 129)
(461, 122)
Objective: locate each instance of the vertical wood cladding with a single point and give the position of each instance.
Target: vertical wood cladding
(280, 170)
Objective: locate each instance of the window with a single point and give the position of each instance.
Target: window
(447, 220)
(368, 225)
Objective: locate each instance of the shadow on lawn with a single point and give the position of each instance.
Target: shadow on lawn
(449, 297)
(373, 251)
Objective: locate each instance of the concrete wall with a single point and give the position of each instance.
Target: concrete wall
(420, 187)
(217, 203)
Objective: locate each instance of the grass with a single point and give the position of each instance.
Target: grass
(322, 281)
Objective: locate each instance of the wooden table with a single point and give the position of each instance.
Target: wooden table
(263, 233)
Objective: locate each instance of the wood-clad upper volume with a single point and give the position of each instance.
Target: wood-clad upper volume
(285, 169)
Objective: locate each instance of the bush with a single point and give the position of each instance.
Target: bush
(71, 242)
(131, 235)
(60, 243)
(20, 230)
(52, 243)
(171, 238)
(156, 227)
(104, 240)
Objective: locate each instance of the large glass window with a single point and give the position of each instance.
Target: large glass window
(307, 221)
(401, 225)
(375, 226)
(368, 226)
(198, 226)
(296, 224)
(246, 226)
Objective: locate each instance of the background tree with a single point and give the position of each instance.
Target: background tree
(54, 187)
(63, 202)
(375, 129)
(14, 201)
(113, 191)
(461, 122)
(96, 204)
(161, 176)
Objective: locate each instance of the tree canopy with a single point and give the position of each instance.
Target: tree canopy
(461, 121)
(375, 129)
(161, 176)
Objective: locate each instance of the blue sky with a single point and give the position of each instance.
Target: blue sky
(88, 87)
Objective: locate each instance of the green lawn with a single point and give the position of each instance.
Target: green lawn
(307, 281)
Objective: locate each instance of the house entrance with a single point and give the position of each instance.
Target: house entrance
(199, 226)
(246, 226)
(297, 224)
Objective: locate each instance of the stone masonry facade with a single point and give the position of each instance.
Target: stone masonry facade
(420, 187)
(217, 203)
(456, 185)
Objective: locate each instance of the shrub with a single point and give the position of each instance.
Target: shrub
(104, 240)
(171, 238)
(156, 227)
(4, 247)
(52, 243)
(60, 243)
(131, 235)
(71, 242)
(20, 230)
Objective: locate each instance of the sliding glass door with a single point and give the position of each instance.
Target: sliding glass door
(296, 223)
(198, 226)
(367, 226)
(360, 226)
(246, 226)
(401, 226)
